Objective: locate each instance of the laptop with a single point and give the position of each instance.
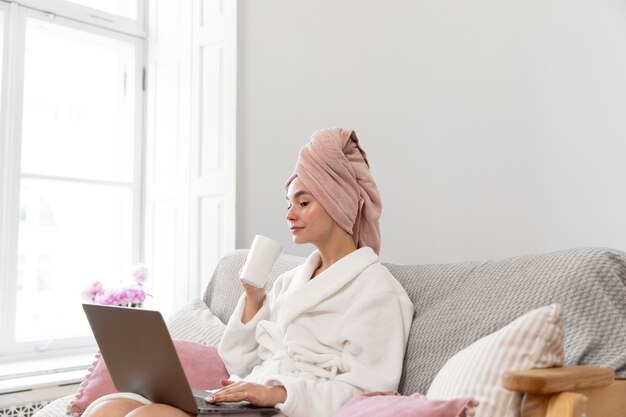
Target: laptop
(141, 358)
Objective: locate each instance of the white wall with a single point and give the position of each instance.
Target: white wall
(493, 128)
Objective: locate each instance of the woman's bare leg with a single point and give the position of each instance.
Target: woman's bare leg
(158, 410)
(115, 407)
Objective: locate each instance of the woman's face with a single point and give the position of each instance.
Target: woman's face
(308, 220)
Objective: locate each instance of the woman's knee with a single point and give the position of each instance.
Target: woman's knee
(117, 407)
(159, 410)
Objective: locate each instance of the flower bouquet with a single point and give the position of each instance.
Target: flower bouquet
(131, 295)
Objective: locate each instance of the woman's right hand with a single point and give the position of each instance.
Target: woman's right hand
(257, 394)
(254, 301)
(254, 294)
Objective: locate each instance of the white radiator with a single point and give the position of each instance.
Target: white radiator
(24, 397)
(28, 386)
(23, 410)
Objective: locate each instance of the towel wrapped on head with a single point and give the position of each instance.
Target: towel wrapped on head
(334, 168)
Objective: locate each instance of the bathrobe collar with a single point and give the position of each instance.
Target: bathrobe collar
(310, 292)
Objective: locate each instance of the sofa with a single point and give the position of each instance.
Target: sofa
(461, 305)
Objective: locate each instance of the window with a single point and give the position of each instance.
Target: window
(127, 8)
(71, 183)
(2, 14)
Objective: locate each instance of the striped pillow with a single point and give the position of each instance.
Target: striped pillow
(534, 340)
(196, 323)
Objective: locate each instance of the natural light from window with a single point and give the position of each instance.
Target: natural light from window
(1, 52)
(126, 8)
(76, 189)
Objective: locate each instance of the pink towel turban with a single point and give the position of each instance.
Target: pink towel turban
(335, 170)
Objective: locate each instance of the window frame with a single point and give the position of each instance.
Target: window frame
(16, 14)
(91, 16)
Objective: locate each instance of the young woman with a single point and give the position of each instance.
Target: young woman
(331, 328)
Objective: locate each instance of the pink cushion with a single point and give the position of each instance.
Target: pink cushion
(392, 404)
(202, 365)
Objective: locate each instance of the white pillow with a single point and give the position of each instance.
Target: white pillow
(196, 323)
(534, 340)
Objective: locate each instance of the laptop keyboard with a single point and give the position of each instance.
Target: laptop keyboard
(200, 402)
(204, 405)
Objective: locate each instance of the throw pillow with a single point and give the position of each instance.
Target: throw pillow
(195, 322)
(202, 365)
(534, 340)
(392, 404)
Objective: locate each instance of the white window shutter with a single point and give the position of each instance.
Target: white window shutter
(191, 150)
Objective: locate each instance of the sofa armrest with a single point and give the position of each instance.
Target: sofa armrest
(575, 391)
(553, 380)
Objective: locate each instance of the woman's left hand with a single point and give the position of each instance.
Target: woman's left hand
(257, 394)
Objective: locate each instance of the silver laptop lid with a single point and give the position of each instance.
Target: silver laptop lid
(140, 355)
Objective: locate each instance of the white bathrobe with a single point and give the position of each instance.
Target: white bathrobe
(325, 339)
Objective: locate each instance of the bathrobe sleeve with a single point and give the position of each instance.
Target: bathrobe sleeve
(374, 333)
(239, 347)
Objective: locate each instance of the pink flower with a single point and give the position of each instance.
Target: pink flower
(136, 294)
(132, 295)
(107, 298)
(140, 273)
(94, 290)
(123, 296)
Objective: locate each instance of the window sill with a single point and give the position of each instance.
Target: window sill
(43, 373)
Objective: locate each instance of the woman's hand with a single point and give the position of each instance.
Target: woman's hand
(254, 300)
(253, 294)
(256, 394)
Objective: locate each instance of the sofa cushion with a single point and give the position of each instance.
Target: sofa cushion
(391, 404)
(534, 340)
(57, 408)
(457, 304)
(195, 322)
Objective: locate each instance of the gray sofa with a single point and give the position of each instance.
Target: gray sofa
(457, 304)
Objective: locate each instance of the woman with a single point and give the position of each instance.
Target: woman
(331, 328)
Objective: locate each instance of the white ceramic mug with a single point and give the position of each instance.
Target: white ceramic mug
(260, 261)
